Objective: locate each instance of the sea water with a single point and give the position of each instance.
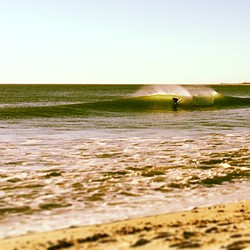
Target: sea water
(74, 155)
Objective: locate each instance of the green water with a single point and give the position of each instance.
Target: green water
(28, 101)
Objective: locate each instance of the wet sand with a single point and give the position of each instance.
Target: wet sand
(225, 226)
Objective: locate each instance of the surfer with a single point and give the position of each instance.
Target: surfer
(175, 103)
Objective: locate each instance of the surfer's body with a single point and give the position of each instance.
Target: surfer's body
(176, 101)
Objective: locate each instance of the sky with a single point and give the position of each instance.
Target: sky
(124, 41)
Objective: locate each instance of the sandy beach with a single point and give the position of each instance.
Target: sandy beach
(225, 226)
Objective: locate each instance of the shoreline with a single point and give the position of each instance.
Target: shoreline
(224, 226)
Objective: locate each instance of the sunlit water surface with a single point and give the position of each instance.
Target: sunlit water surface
(62, 172)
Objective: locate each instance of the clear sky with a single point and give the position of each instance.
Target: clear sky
(124, 41)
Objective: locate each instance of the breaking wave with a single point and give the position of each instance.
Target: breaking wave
(151, 98)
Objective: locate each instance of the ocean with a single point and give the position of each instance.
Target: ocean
(74, 155)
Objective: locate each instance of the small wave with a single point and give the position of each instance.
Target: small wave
(33, 104)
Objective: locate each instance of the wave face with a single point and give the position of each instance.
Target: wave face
(86, 100)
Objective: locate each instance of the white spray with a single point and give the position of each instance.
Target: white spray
(199, 95)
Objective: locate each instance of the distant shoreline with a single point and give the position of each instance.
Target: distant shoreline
(139, 84)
